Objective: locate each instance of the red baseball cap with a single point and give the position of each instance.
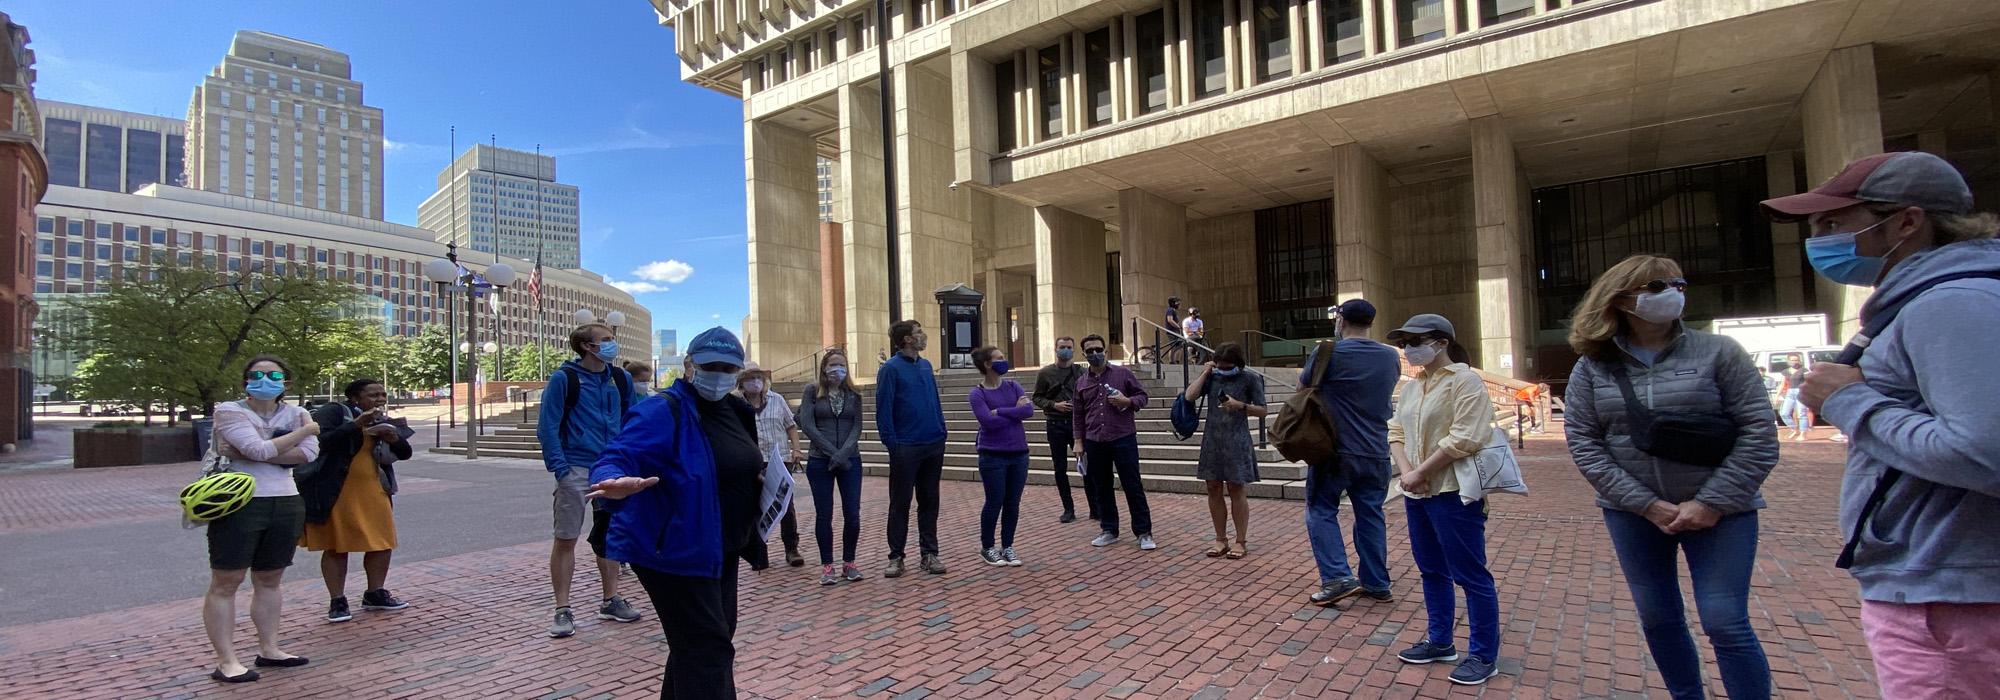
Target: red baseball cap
(1911, 178)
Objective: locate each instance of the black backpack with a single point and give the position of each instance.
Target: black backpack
(575, 382)
(1851, 355)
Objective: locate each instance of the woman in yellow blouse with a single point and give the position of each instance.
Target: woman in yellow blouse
(1441, 418)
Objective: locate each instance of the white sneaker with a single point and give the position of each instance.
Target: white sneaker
(1104, 539)
(1146, 543)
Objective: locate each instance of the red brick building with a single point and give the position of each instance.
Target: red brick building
(23, 181)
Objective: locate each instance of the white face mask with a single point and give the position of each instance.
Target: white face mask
(1662, 307)
(1422, 355)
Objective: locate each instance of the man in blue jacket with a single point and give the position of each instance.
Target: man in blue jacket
(582, 409)
(685, 479)
(911, 422)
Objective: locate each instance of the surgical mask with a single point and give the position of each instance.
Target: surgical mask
(712, 385)
(1231, 372)
(1002, 367)
(1660, 307)
(642, 387)
(265, 388)
(1838, 258)
(838, 374)
(753, 386)
(1065, 354)
(1421, 356)
(1096, 359)
(607, 351)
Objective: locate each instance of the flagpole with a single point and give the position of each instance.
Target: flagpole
(541, 244)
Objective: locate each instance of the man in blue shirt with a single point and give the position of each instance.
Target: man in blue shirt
(911, 422)
(1359, 388)
(573, 430)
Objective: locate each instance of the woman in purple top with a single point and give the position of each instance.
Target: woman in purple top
(1001, 405)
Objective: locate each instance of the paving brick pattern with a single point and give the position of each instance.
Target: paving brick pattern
(1076, 622)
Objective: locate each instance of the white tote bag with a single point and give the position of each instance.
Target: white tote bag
(1492, 469)
(777, 496)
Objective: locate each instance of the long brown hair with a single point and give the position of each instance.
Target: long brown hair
(1597, 319)
(825, 386)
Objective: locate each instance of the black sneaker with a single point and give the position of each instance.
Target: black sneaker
(337, 611)
(379, 599)
(1426, 652)
(992, 556)
(1068, 516)
(1335, 591)
(1382, 596)
(1473, 671)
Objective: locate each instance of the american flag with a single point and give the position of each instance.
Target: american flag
(535, 282)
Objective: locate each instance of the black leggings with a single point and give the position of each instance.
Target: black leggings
(699, 617)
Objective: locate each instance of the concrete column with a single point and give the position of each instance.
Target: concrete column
(976, 128)
(1360, 228)
(1843, 122)
(832, 285)
(1152, 251)
(1069, 275)
(1787, 267)
(1182, 33)
(863, 228)
(933, 221)
(783, 214)
(1501, 330)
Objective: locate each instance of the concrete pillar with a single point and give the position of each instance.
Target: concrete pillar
(1360, 228)
(832, 285)
(976, 128)
(1069, 275)
(863, 228)
(1787, 261)
(1843, 122)
(1152, 251)
(1501, 333)
(783, 213)
(933, 220)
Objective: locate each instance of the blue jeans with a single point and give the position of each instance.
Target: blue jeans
(1366, 481)
(1005, 476)
(823, 480)
(1448, 540)
(1794, 411)
(1719, 561)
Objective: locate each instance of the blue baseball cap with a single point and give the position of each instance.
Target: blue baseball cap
(716, 345)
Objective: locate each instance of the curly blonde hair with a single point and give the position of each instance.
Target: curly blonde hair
(1597, 319)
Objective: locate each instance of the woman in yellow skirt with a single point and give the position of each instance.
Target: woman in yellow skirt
(347, 496)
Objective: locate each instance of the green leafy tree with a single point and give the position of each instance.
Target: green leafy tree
(422, 361)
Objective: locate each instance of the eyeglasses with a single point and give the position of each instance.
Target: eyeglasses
(1661, 285)
(277, 375)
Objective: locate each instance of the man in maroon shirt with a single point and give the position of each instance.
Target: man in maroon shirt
(1107, 397)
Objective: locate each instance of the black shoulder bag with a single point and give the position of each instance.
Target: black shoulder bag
(1699, 439)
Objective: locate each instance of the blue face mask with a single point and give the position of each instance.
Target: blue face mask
(1231, 372)
(1838, 258)
(1065, 354)
(1002, 367)
(712, 385)
(265, 388)
(838, 374)
(608, 351)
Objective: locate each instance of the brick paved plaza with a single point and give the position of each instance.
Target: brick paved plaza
(1076, 622)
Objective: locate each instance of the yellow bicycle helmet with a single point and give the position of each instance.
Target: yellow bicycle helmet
(217, 495)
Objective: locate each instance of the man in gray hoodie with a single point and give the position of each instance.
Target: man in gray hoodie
(1920, 502)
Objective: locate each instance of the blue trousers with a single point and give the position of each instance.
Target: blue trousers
(1448, 540)
(820, 474)
(1004, 476)
(1366, 481)
(1719, 561)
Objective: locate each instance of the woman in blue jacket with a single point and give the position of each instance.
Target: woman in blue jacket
(684, 477)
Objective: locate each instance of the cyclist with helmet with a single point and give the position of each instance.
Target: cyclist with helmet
(264, 439)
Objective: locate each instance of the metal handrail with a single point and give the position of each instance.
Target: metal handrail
(1263, 438)
(1260, 346)
(777, 374)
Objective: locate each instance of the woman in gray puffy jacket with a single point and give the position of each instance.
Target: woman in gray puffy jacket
(1629, 328)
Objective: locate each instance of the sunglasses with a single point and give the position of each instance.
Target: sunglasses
(277, 375)
(1093, 351)
(1661, 285)
(1415, 341)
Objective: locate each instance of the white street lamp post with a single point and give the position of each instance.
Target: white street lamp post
(448, 271)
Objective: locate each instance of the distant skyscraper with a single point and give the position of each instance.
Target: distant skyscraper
(281, 120)
(496, 200)
(829, 188)
(106, 149)
(668, 343)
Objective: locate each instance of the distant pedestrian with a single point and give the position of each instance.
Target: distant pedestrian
(583, 408)
(777, 437)
(1628, 331)
(910, 421)
(266, 439)
(1360, 389)
(830, 416)
(1107, 398)
(347, 497)
(685, 484)
(1443, 417)
(1920, 499)
(642, 378)
(1796, 414)
(1000, 405)
(1055, 394)
(1197, 334)
(1228, 460)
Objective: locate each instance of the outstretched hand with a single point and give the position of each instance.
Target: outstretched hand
(620, 487)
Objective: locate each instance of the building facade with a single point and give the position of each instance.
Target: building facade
(24, 177)
(282, 120)
(1079, 162)
(111, 150)
(506, 201)
(87, 237)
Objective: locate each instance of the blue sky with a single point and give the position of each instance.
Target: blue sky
(595, 82)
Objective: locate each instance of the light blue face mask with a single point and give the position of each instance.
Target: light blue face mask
(1231, 372)
(1838, 257)
(265, 388)
(712, 385)
(608, 351)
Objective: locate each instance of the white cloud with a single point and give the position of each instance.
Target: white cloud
(637, 287)
(714, 316)
(668, 271)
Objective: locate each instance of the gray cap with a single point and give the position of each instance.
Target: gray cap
(1421, 324)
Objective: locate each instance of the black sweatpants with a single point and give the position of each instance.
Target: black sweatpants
(699, 617)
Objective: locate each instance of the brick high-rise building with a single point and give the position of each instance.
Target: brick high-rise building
(23, 179)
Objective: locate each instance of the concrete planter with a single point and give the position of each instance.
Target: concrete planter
(124, 447)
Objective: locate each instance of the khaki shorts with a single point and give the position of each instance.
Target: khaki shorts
(571, 510)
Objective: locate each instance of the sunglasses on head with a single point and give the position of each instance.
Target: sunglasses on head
(278, 375)
(1661, 285)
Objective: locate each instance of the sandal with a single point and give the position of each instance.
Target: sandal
(1219, 549)
(1242, 548)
